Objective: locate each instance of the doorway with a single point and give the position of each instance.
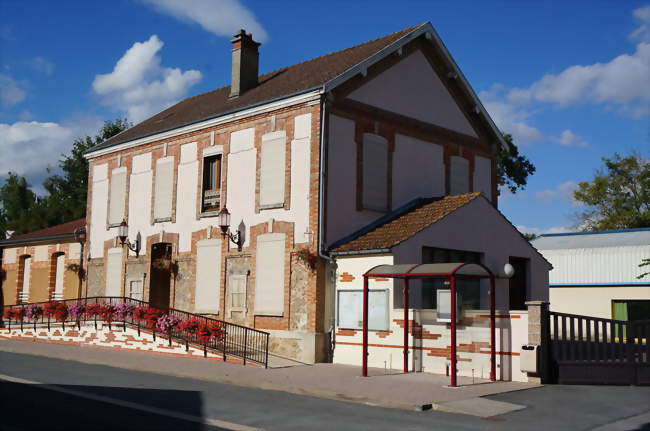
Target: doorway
(161, 261)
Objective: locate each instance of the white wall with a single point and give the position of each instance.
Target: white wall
(240, 197)
(413, 89)
(593, 301)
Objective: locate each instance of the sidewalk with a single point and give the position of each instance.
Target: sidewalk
(413, 391)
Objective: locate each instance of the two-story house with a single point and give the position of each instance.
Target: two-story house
(309, 160)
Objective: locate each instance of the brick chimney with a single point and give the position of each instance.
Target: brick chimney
(245, 63)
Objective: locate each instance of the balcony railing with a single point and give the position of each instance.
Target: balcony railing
(225, 338)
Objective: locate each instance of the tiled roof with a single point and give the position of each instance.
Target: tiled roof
(290, 80)
(407, 224)
(60, 229)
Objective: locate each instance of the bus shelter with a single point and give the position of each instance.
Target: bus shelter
(450, 272)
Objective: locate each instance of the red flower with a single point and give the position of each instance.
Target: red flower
(94, 309)
(14, 313)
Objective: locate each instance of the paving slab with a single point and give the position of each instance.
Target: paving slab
(412, 391)
(481, 407)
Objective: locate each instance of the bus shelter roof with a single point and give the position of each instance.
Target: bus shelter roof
(431, 270)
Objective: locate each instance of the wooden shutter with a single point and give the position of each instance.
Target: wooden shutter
(164, 188)
(269, 274)
(272, 170)
(375, 172)
(118, 196)
(208, 276)
(458, 175)
(114, 272)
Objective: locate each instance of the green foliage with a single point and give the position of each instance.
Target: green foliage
(644, 262)
(619, 195)
(513, 169)
(22, 211)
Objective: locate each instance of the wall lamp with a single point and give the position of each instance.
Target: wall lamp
(123, 233)
(224, 224)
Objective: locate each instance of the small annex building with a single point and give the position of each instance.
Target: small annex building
(460, 228)
(596, 273)
(42, 265)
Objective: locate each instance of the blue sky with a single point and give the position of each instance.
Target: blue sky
(570, 80)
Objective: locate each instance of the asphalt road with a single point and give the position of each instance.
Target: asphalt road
(53, 394)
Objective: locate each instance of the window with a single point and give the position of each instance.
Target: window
(272, 170)
(164, 189)
(208, 276)
(26, 262)
(630, 310)
(59, 268)
(135, 289)
(114, 272)
(269, 274)
(518, 283)
(470, 291)
(116, 211)
(237, 288)
(375, 173)
(458, 175)
(211, 183)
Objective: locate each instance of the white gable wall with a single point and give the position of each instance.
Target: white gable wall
(413, 89)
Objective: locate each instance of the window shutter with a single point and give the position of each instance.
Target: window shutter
(114, 272)
(208, 276)
(272, 170)
(375, 172)
(164, 187)
(459, 175)
(118, 196)
(269, 277)
(58, 279)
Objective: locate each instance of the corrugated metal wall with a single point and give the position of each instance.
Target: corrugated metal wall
(596, 265)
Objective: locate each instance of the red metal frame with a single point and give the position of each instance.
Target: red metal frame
(451, 276)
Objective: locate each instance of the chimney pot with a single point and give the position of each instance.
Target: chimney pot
(245, 63)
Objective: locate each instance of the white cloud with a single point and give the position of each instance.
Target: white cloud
(642, 33)
(140, 86)
(510, 118)
(623, 81)
(222, 18)
(562, 191)
(568, 139)
(11, 92)
(42, 65)
(29, 147)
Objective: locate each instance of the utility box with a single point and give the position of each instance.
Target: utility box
(529, 358)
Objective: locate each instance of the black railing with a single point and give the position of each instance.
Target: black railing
(225, 338)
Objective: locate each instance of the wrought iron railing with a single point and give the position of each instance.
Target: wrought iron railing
(225, 338)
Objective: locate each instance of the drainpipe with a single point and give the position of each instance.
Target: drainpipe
(321, 208)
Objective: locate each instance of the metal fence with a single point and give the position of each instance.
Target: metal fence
(228, 339)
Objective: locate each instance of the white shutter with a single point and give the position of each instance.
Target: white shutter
(114, 272)
(375, 172)
(163, 190)
(269, 274)
(459, 175)
(272, 170)
(58, 280)
(27, 273)
(483, 176)
(118, 196)
(208, 276)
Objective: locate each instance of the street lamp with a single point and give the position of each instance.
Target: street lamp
(123, 233)
(224, 224)
(80, 237)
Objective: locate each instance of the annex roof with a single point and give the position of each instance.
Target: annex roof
(402, 224)
(606, 238)
(53, 232)
(324, 73)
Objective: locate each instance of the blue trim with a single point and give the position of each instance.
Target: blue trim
(634, 283)
(641, 229)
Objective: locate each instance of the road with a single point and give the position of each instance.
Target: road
(45, 393)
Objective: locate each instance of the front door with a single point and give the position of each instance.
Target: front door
(161, 260)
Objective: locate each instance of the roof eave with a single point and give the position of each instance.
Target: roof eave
(39, 239)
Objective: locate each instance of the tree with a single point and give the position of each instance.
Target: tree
(619, 195)
(21, 210)
(513, 169)
(530, 236)
(66, 199)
